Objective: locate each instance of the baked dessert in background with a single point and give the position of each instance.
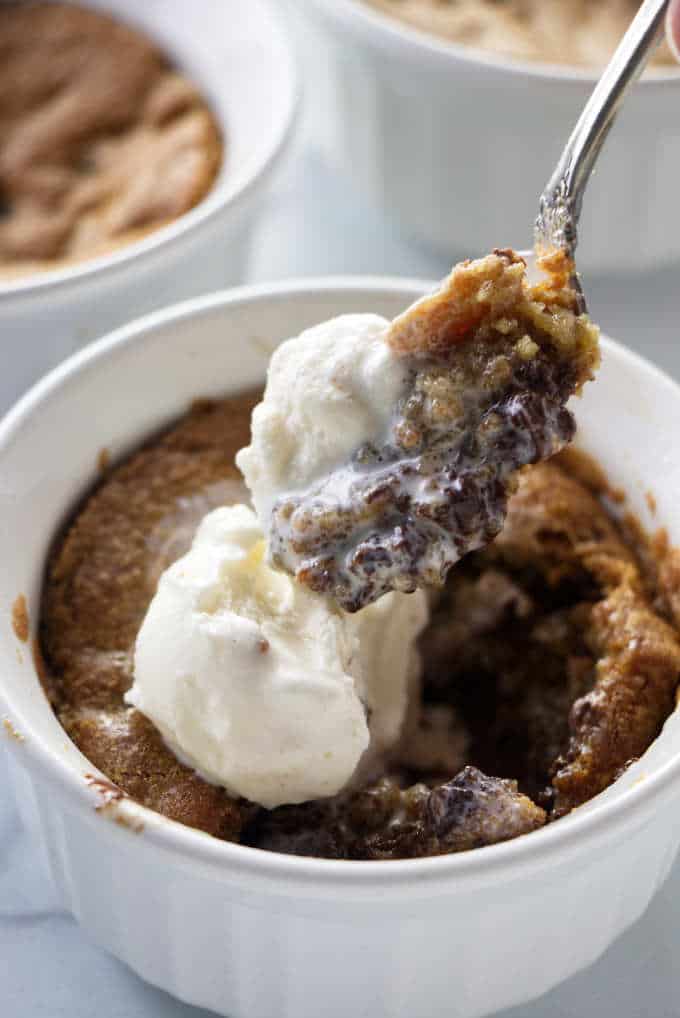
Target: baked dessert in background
(102, 139)
(549, 662)
(577, 32)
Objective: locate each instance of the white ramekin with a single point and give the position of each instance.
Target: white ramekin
(239, 54)
(257, 935)
(458, 144)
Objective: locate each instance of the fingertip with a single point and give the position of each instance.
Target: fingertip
(673, 28)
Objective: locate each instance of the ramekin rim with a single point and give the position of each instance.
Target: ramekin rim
(177, 839)
(393, 32)
(213, 204)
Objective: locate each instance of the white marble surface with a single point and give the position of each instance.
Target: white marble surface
(316, 224)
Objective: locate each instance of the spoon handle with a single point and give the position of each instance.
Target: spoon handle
(560, 204)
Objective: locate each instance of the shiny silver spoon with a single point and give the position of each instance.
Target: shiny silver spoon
(560, 204)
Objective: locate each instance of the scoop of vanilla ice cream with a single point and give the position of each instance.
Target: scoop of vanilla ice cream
(329, 391)
(260, 685)
(390, 664)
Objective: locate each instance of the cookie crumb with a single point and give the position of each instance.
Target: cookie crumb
(109, 792)
(20, 621)
(103, 461)
(11, 730)
(111, 795)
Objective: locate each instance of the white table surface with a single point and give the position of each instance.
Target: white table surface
(316, 224)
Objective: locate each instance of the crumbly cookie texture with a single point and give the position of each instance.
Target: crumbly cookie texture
(102, 140)
(560, 531)
(582, 32)
(388, 822)
(555, 661)
(492, 361)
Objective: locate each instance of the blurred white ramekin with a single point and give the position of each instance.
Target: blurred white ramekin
(252, 934)
(240, 57)
(458, 144)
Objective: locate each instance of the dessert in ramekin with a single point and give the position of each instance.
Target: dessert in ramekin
(246, 931)
(104, 140)
(208, 684)
(198, 243)
(575, 32)
(457, 142)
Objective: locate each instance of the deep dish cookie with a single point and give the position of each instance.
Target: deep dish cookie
(550, 661)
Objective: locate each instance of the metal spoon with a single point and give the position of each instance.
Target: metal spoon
(560, 204)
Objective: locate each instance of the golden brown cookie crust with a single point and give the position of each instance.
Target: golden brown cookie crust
(99, 584)
(558, 528)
